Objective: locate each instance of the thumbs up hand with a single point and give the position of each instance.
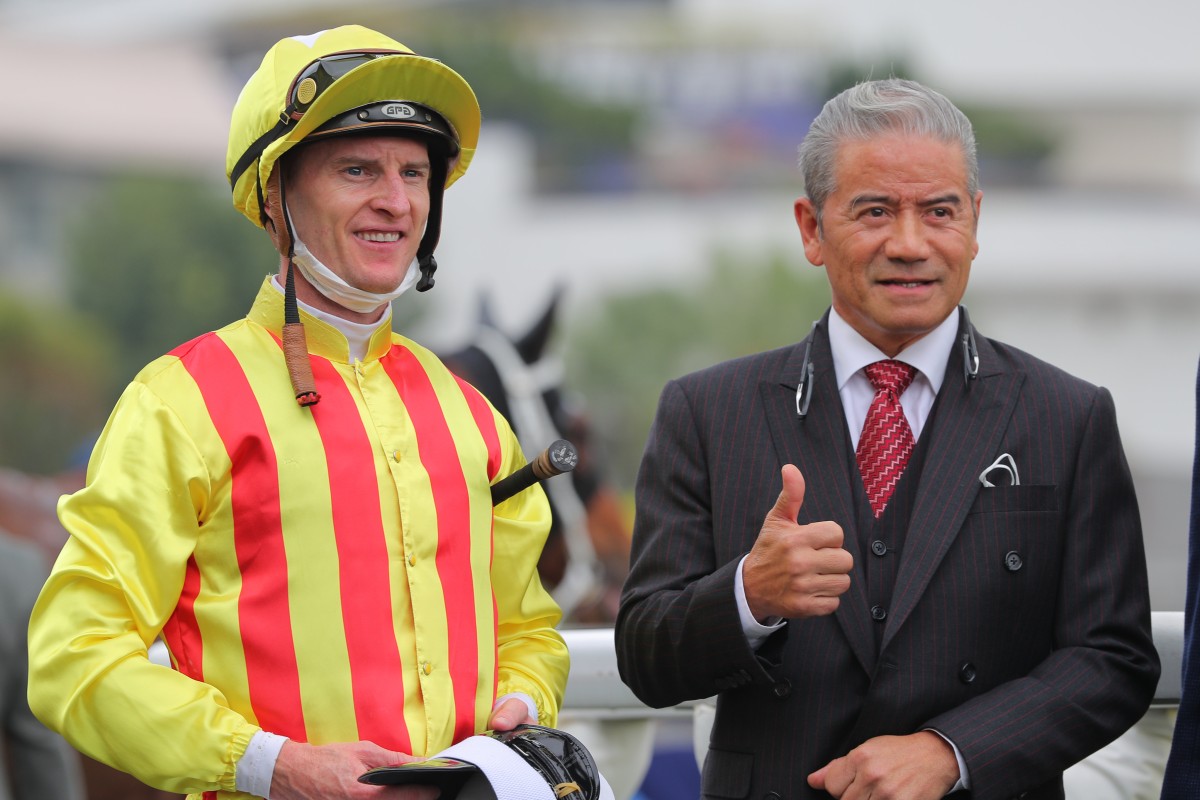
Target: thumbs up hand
(795, 571)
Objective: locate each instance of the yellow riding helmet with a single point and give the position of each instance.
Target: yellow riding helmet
(307, 82)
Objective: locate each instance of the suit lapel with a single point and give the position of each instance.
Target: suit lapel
(818, 446)
(968, 423)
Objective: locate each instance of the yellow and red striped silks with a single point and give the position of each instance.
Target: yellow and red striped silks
(333, 573)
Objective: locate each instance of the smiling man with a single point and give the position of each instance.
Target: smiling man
(907, 559)
(299, 503)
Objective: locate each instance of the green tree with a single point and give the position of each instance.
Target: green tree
(55, 367)
(159, 260)
(619, 359)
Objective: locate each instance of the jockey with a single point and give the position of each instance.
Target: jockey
(334, 587)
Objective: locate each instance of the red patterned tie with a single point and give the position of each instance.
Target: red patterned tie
(886, 441)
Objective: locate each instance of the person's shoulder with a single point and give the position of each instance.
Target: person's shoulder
(1039, 373)
(194, 349)
(172, 359)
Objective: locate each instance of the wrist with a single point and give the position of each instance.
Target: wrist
(256, 768)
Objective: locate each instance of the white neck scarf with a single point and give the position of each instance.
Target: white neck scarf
(328, 283)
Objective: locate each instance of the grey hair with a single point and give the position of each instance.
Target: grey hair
(874, 108)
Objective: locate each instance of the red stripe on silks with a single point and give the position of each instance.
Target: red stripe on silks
(264, 617)
(376, 668)
(486, 423)
(182, 632)
(439, 457)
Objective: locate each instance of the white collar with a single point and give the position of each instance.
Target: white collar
(358, 334)
(929, 354)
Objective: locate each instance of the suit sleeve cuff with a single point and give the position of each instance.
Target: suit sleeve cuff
(964, 781)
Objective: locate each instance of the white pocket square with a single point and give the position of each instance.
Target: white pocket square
(1004, 463)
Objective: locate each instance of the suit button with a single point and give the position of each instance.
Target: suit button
(782, 688)
(878, 613)
(1013, 561)
(878, 547)
(967, 672)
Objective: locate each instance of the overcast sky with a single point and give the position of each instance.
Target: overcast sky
(1023, 47)
(1147, 48)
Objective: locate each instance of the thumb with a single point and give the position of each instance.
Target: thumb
(792, 495)
(382, 757)
(817, 779)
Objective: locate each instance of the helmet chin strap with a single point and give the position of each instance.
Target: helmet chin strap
(428, 266)
(295, 344)
(433, 225)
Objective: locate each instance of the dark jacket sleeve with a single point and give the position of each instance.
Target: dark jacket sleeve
(678, 633)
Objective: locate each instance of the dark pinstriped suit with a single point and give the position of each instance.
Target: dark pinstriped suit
(1028, 665)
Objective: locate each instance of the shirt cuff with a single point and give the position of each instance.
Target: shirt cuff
(756, 633)
(964, 781)
(524, 698)
(256, 767)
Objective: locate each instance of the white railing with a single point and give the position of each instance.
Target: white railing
(594, 688)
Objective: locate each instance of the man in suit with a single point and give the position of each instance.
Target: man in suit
(1182, 778)
(969, 612)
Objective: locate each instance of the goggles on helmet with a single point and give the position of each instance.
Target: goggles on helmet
(314, 79)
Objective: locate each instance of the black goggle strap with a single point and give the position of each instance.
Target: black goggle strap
(256, 149)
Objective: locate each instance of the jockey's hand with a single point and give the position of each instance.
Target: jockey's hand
(330, 772)
(509, 714)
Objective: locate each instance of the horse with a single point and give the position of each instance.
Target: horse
(586, 557)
